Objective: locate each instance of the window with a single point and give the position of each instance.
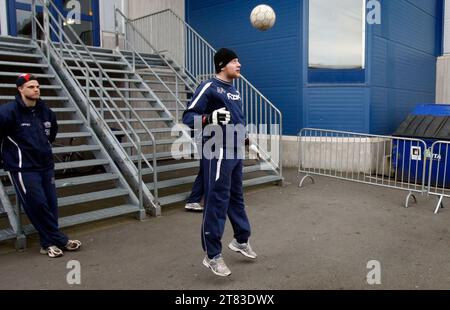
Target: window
(84, 32)
(19, 19)
(23, 23)
(336, 34)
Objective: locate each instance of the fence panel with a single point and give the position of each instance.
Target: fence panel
(387, 161)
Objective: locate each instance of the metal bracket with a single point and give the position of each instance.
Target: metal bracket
(410, 194)
(304, 178)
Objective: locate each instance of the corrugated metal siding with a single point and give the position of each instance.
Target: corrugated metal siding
(403, 55)
(338, 108)
(380, 110)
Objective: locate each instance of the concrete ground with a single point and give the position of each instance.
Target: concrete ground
(319, 237)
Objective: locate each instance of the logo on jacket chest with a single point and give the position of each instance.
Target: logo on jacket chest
(47, 126)
(233, 97)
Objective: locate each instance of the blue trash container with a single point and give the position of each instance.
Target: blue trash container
(429, 123)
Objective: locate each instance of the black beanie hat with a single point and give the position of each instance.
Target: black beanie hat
(23, 78)
(222, 57)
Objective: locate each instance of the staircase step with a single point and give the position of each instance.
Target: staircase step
(181, 197)
(65, 135)
(159, 155)
(18, 54)
(134, 120)
(180, 91)
(81, 163)
(91, 216)
(172, 182)
(161, 73)
(96, 178)
(119, 89)
(23, 64)
(69, 182)
(81, 78)
(261, 180)
(40, 86)
(45, 98)
(6, 234)
(64, 110)
(158, 142)
(171, 199)
(128, 99)
(191, 179)
(71, 122)
(137, 109)
(129, 54)
(180, 84)
(94, 53)
(173, 167)
(38, 75)
(97, 215)
(101, 62)
(139, 131)
(74, 68)
(77, 148)
(94, 196)
(20, 45)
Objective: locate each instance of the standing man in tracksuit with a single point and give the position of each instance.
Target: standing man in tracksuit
(215, 104)
(27, 129)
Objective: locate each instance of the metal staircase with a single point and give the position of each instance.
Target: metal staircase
(89, 185)
(101, 85)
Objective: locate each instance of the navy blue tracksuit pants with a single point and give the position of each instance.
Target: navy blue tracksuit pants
(37, 194)
(197, 188)
(222, 180)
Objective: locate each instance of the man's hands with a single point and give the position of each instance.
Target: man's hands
(217, 117)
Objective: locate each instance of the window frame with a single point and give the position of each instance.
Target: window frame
(13, 5)
(333, 76)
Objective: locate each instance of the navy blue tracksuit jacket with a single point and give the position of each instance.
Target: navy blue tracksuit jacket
(222, 174)
(26, 135)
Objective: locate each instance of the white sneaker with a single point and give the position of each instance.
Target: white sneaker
(73, 245)
(217, 265)
(243, 248)
(52, 251)
(193, 206)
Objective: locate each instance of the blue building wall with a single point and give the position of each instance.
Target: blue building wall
(404, 51)
(400, 62)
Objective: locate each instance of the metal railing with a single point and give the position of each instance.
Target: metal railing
(439, 171)
(129, 42)
(52, 25)
(169, 34)
(393, 162)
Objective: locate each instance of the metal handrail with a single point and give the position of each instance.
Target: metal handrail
(90, 77)
(130, 47)
(199, 66)
(159, 53)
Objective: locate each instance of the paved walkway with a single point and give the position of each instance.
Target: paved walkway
(317, 237)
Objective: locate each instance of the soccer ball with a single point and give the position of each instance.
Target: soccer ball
(262, 17)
